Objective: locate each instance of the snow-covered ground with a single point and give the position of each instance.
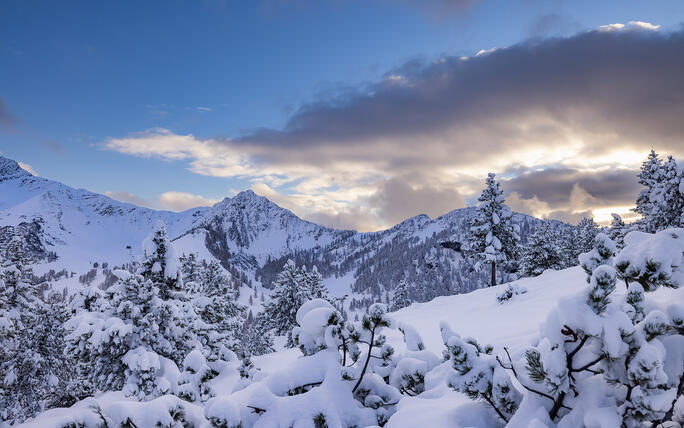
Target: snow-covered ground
(479, 314)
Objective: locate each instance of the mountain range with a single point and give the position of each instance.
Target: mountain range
(72, 228)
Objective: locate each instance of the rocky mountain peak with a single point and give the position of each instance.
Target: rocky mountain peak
(10, 168)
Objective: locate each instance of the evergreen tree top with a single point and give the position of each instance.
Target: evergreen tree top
(160, 261)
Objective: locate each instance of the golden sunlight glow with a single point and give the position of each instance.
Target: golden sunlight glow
(603, 216)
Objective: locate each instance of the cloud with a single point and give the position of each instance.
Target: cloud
(631, 25)
(53, 145)
(555, 185)
(27, 167)
(127, 197)
(174, 201)
(569, 194)
(181, 201)
(546, 114)
(399, 199)
(200, 108)
(7, 119)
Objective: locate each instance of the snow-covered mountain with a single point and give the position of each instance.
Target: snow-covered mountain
(248, 231)
(81, 225)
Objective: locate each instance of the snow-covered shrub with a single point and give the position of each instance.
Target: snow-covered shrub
(114, 410)
(653, 260)
(408, 375)
(312, 390)
(602, 254)
(320, 326)
(222, 412)
(507, 293)
(194, 384)
(601, 359)
(332, 384)
(370, 334)
(477, 374)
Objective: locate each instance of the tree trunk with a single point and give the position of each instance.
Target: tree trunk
(493, 283)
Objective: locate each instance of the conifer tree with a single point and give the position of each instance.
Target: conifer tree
(618, 230)
(649, 177)
(493, 237)
(216, 304)
(143, 322)
(587, 229)
(400, 298)
(256, 336)
(290, 292)
(161, 264)
(34, 372)
(541, 252)
(191, 268)
(669, 196)
(314, 282)
(569, 247)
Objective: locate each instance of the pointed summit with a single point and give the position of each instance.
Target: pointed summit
(10, 168)
(246, 195)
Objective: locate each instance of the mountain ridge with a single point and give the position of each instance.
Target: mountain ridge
(248, 231)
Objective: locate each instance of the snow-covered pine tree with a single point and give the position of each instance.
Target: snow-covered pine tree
(161, 264)
(569, 248)
(314, 281)
(145, 325)
(400, 298)
(478, 375)
(541, 252)
(34, 372)
(618, 230)
(290, 292)
(669, 196)
(191, 268)
(255, 337)
(587, 229)
(493, 237)
(650, 177)
(216, 304)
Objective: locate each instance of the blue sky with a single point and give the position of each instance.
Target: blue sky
(77, 75)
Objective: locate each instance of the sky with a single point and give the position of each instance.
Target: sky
(352, 114)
